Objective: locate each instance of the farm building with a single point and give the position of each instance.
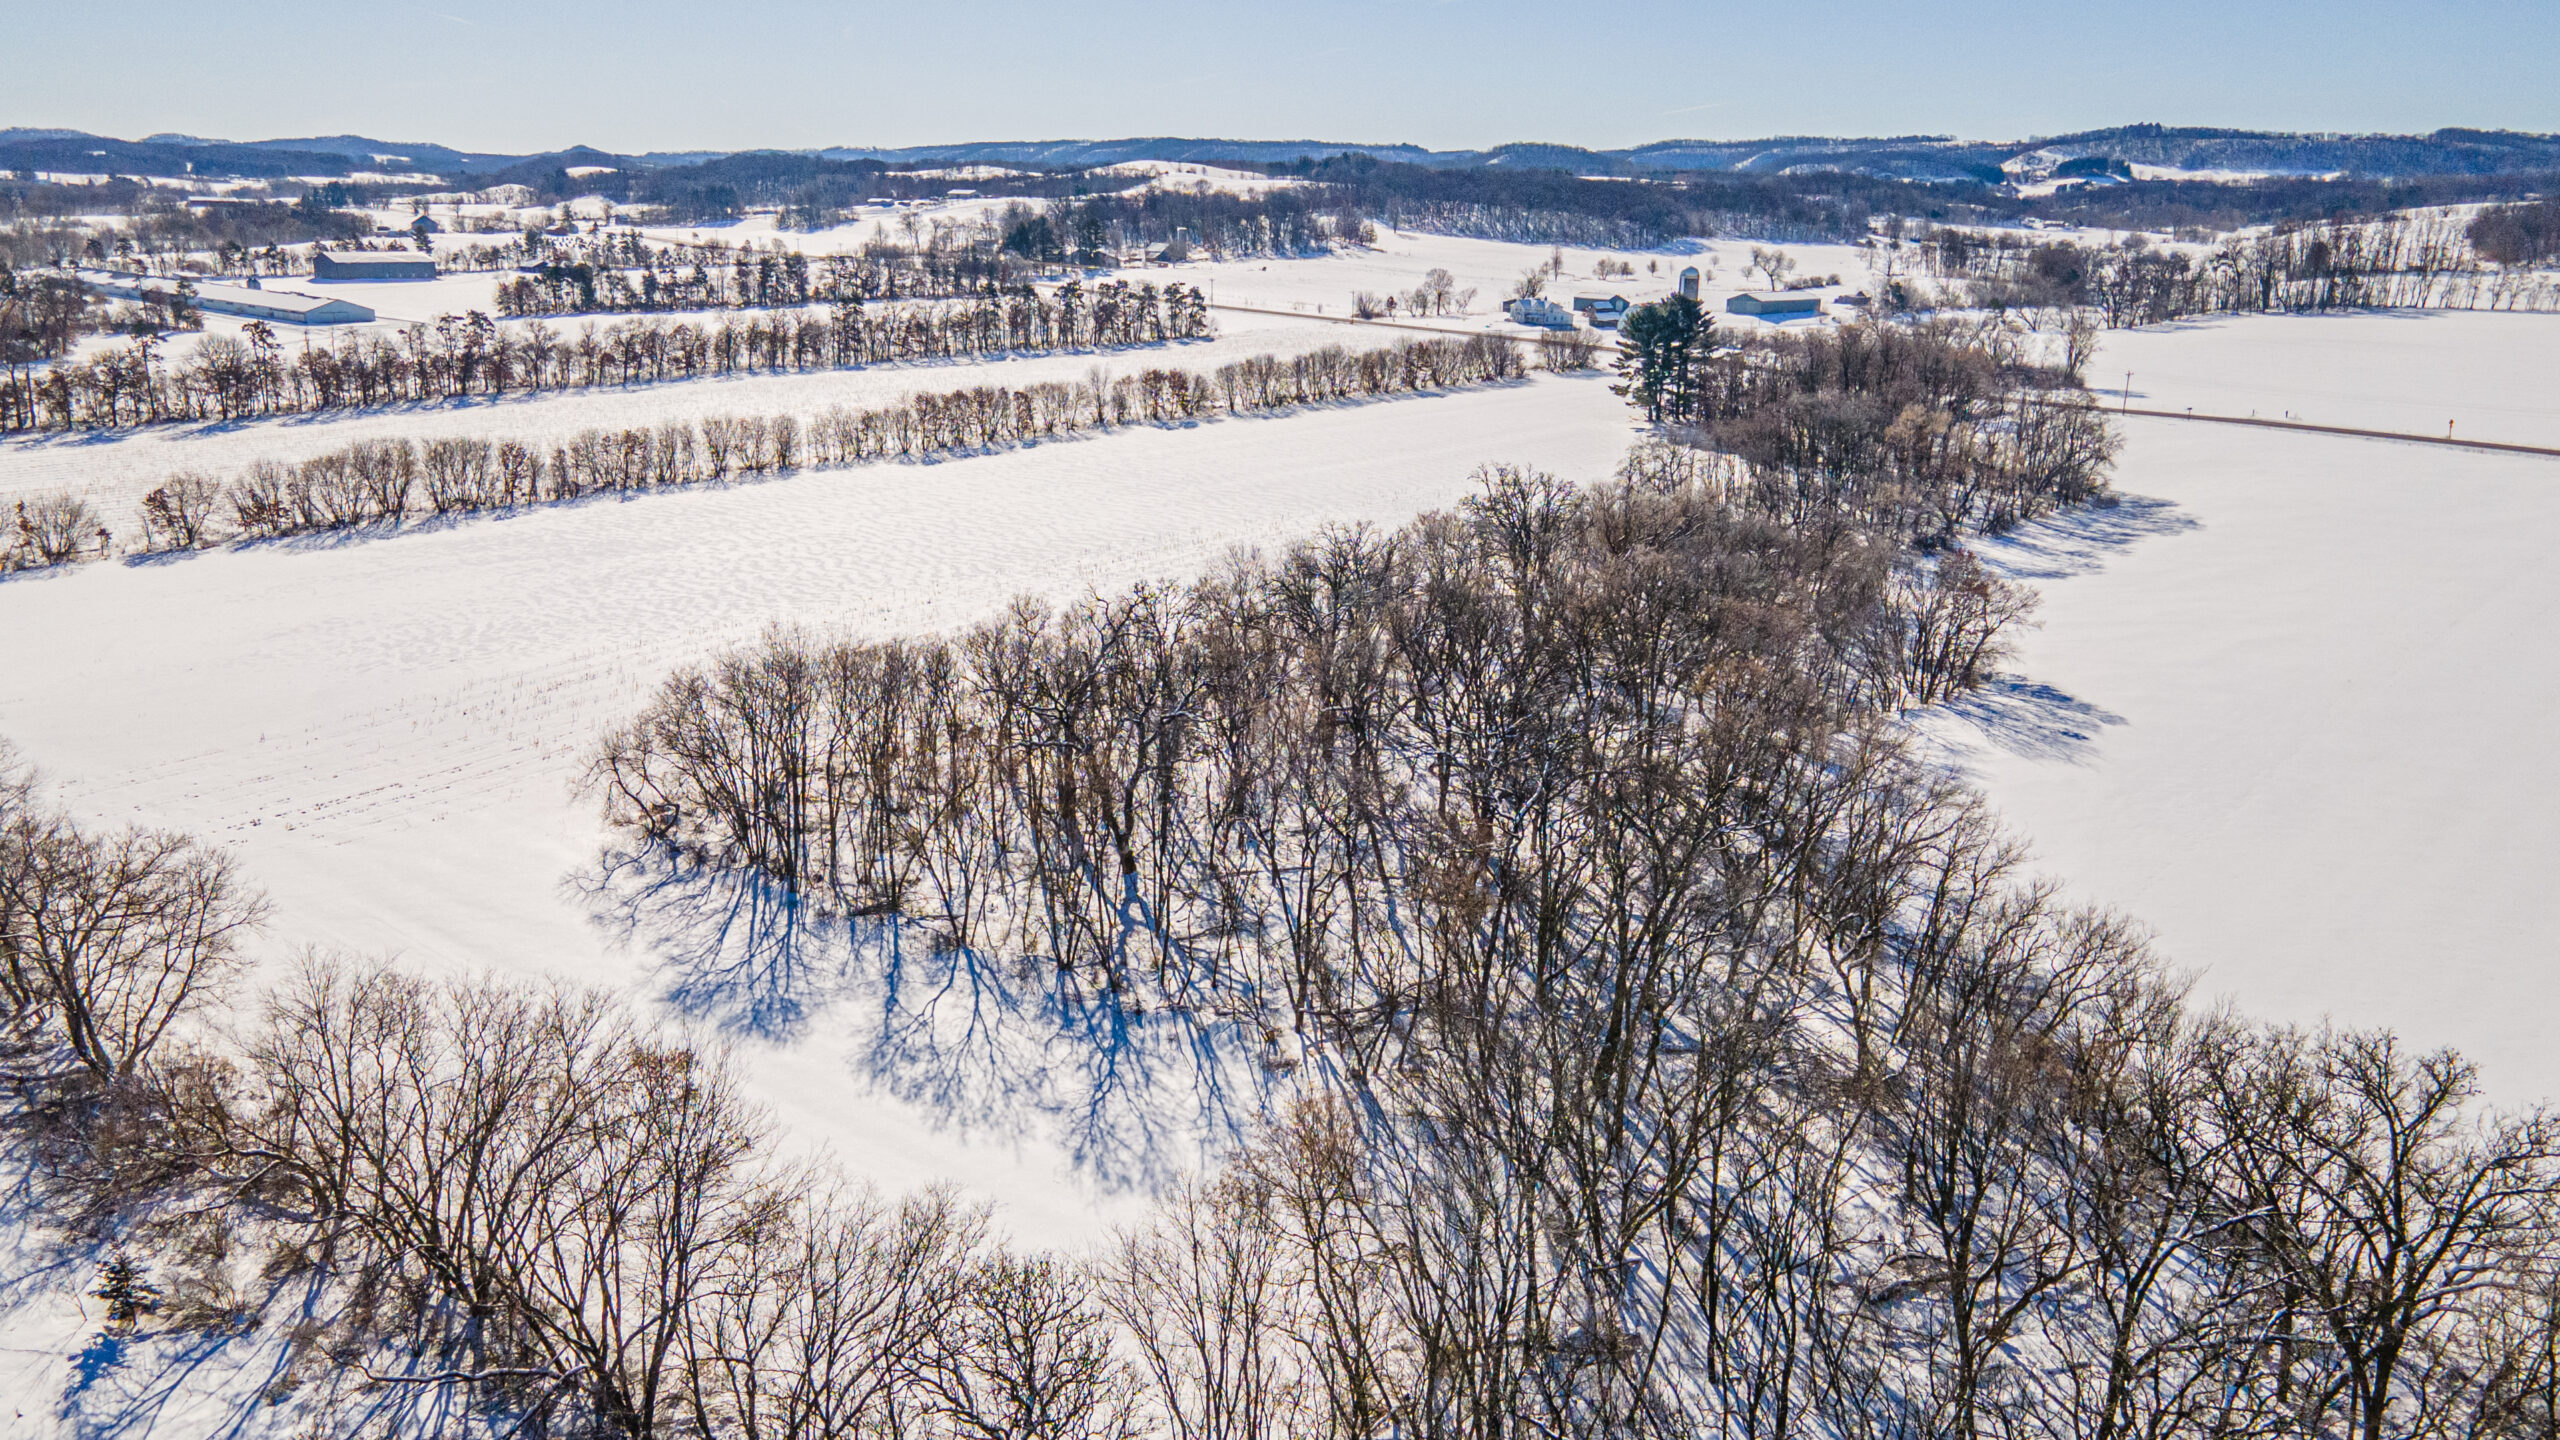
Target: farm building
(1689, 281)
(1605, 310)
(1775, 306)
(215, 298)
(372, 265)
(1541, 312)
(1172, 252)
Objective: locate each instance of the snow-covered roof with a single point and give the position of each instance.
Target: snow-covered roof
(223, 299)
(374, 259)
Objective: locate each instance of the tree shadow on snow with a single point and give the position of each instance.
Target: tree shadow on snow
(2083, 538)
(231, 1380)
(2034, 720)
(737, 954)
(109, 1394)
(1005, 1047)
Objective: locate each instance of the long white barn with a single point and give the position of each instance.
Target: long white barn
(214, 297)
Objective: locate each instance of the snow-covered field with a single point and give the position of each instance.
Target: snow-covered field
(2308, 665)
(1399, 259)
(115, 468)
(2497, 376)
(2288, 704)
(391, 731)
(2291, 703)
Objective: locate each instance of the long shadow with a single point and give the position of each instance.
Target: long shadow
(445, 404)
(2083, 538)
(47, 1260)
(2026, 717)
(120, 1386)
(224, 1382)
(1002, 1047)
(2034, 720)
(428, 522)
(738, 954)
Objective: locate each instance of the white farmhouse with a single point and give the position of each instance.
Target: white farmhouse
(1539, 311)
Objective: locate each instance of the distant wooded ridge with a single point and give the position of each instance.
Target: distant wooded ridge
(1901, 157)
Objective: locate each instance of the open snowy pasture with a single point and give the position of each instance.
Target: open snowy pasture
(114, 469)
(1192, 175)
(1278, 306)
(1400, 258)
(397, 304)
(2291, 702)
(2495, 375)
(764, 230)
(391, 732)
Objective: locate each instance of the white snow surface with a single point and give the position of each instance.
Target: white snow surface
(2287, 705)
(2291, 702)
(1400, 258)
(1304, 297)
(114, 469)
(391, 732)
(2496, 375)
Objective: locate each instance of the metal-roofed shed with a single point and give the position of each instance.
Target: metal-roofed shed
(1774, 306)
(216, 298)
(372, 265)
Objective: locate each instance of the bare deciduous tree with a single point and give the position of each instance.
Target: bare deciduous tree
(105, 942)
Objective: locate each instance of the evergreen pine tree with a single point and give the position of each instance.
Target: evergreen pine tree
(128, 1293)
(1661, 348)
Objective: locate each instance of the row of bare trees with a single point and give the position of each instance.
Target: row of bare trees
(537, 1200)
(1921, 433)
(1707, 1064)
(620, 270)
(1699, 1060)
(387, 482)
(1737, 1160)
(519, 1193)
(1979, 1174)
(2211, 1231)
(2404, 261)
(1212, 781)
(461, 356)
(1690, 1057)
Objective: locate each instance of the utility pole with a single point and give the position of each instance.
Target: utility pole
(2124, 403)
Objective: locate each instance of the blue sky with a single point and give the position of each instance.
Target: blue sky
(652, 74)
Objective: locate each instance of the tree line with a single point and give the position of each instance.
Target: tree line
(1545, 205)
(2524, 233)
(1690, 1057)
(255, 374)
(1098, 229)
(1698, 1059)
(149, 222)
(393, 481)
(1923, 432)
(2418, 262)
(514, 1193)
(618, 271)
